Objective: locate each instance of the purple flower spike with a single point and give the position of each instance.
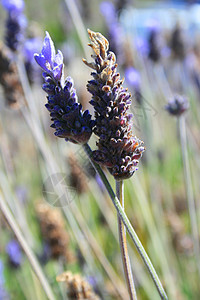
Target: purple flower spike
(16, 6)
(69, 121)
(118, 149)
(48, 60)
(58, 65)
(48, 50)
(15, 23)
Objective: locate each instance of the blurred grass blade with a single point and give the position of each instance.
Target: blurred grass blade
(29, 253)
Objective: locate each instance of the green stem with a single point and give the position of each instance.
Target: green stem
(189, 189)
(123, 245)
(29, 253)
(128, 225)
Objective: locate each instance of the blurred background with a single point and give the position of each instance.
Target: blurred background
(157, 45)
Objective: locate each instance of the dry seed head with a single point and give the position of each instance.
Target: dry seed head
(118, 149)
(77, 287)
(9, 79)
(78, 178)
(53, 230)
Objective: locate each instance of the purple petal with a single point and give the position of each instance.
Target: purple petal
(42, 62)
(58, 60)
(48, 50)
(58, 65)
(57, 72)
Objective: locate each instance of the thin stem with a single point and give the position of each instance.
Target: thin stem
(78, 23)
(26, 88)
(128, 225)
(119, 287)
(29, 253)
(123, 245)
(189, 189)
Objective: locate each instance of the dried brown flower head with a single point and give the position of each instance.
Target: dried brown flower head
(53, 230)
(77, 287)
(77, 176)
(9, 79)
(118, 149)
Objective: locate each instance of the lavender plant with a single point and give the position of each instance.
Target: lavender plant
(15, 24)
(69, 121)
(119, 150)
(177, 107)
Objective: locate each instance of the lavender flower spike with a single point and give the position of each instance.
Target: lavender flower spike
(118, 149)
(69, 121)
(15, 23)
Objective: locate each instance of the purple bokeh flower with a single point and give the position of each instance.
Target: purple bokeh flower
(21, 193)
(3, 294)
(100, 183)
(133, 80)
(116, 35)
(2, 281)
(45, 256)
(108, 11)
(15, 24)
(16, 6)
(132, 76)
(142, 46)
(31, 46)
(178, 105)
(13, 250)
(153, 25)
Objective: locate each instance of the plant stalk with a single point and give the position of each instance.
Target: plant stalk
(189, 189)
(123, 245)
(29, 253)
(128, 226)
(78, 24)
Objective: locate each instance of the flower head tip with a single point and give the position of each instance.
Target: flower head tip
(48, 60)
(178, 105)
